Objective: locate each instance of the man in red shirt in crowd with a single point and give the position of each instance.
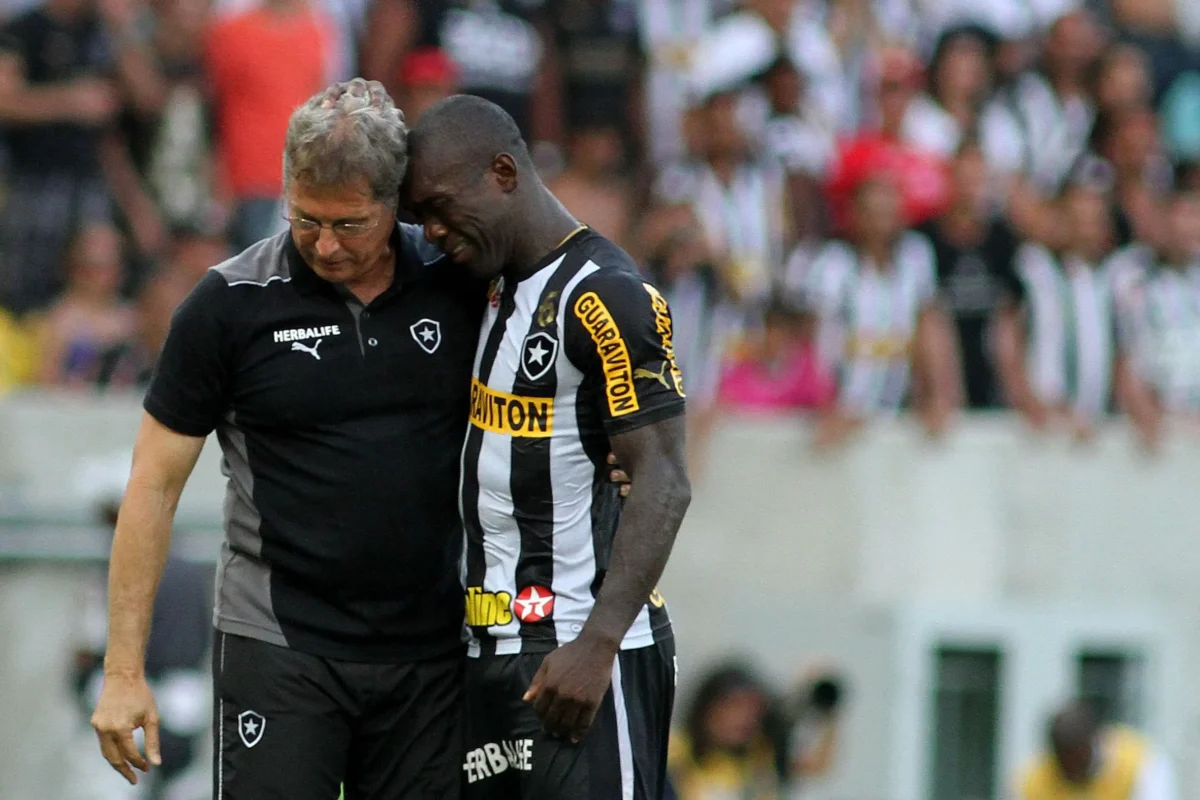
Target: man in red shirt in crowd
(262, 65)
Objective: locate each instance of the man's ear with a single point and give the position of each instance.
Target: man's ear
(504, 170)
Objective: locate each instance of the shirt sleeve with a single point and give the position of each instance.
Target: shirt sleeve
(618, 334)
(189, 392)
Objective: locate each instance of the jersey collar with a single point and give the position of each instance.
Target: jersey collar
(578, 235)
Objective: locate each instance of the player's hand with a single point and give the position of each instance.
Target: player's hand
(567, 690)
(619, 476)
(126, 704)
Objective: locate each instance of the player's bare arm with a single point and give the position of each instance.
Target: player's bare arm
(162, 462)
(572, 681)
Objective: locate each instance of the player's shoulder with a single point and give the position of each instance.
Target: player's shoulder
(260, 265)
(611, 270)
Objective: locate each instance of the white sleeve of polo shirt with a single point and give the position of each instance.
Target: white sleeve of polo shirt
(1156, 780)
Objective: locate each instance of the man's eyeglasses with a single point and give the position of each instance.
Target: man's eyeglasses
(342, 230)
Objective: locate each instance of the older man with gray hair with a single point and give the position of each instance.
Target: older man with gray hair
(333, 361)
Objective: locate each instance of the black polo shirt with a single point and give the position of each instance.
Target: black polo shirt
(341, 428)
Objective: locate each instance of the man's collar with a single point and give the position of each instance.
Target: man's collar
(308, 282)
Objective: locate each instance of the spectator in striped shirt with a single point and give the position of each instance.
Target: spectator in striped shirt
(1056, 351)
(1158, 374)
(742, 204)
(879, 326)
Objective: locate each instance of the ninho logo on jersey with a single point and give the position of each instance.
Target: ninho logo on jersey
(500, 412)
(614, 355)
(485, 609)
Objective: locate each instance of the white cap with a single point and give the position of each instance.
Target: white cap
(734, 50)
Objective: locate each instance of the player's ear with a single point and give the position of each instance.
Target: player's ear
(504, 170)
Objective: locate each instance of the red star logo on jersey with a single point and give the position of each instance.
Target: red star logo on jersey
(534, 604)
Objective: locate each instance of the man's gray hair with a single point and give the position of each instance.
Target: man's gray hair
(348, 132)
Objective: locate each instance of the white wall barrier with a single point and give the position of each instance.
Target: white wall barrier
(874, 556)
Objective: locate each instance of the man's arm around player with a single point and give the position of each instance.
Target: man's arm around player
(572, 681)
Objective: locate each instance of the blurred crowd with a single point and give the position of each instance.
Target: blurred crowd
(856, 207)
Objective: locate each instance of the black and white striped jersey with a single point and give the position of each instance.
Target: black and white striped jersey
(868, 316)
(578, 351)
(1071, 337)
(1159, 326)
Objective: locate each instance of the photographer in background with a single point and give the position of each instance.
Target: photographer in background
(176, 660)
(740, 742)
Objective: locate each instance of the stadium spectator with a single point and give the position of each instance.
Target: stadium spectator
(738, 739)
(595, 47)
(1051, 108)
(741, 201)
(778, 369)
(1158, 376)
(1060, 373)
(130, 364)
(1086, 760)
(252, 99)
(498, 47)
(743, 44)
(91, 317)
(1180, 110)
(17, 354)
(920, 175)
(669, 31)
(974, 251)
(1158, 28)
(346, 22)
(170, 133)
(1122, 80)
(57, 94)
(801, 143)
(1127, 140)
(180, 639)
(592, 186)
(427, 75)
(724, 748)
(672, 246)
(960, 79)
(874, 296)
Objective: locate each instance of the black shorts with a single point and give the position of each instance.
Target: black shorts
(294, 726)
(622, 757)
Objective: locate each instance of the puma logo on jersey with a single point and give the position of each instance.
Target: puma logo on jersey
(662, 325)
(660, 376)
(301, 347)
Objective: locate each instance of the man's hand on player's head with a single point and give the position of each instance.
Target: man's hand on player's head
(126, 704)
(567, 690)
(357, 87)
